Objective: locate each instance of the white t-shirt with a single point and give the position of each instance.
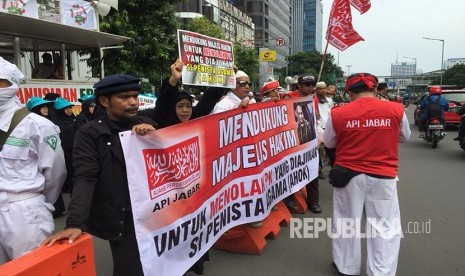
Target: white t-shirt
(325, 110)
(228, 102)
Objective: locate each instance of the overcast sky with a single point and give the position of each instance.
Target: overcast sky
(393, 29)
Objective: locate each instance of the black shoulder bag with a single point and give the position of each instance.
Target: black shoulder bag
(339, 176)
(19, 115)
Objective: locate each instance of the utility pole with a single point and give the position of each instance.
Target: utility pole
(442, 56)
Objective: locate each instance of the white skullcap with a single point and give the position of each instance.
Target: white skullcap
(320, 84)
(10, 72)
(241, 74)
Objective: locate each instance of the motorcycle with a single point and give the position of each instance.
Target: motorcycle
(434, 132)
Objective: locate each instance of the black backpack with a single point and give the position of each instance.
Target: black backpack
(434, 108)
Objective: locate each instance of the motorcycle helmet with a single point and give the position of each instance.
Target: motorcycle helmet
(435, 89)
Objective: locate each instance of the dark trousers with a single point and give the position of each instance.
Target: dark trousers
(331, 153)
(462, 128)
(59, 206)
(126, 258)
(312, 192)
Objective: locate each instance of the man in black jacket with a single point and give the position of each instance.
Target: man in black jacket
(100, 204)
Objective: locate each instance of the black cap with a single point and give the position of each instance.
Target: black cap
(116, 84)
(306, 78)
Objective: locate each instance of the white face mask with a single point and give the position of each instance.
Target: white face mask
(8, 93)
(9, 103)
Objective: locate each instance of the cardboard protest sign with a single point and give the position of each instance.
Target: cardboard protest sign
(208, 61)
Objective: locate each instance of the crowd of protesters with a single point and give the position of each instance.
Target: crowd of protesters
(76, 160)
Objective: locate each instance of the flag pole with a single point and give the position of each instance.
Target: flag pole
(324, 55)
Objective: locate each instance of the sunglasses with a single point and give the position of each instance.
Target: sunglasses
(244, 83)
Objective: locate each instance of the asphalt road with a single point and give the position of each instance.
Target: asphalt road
(432, 202)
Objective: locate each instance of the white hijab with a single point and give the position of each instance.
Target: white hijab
(9, 103)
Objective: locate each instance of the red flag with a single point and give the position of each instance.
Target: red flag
(361, 5)
(341, 33)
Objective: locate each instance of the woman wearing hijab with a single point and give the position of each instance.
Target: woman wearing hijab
(88, 105)
(164, 114)
(38, 106)
(64, 119)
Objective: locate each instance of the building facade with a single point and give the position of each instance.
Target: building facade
(189, 9)
(237, 26)
(403, 69)
(451, 62)
(307, 25)
(272, 21)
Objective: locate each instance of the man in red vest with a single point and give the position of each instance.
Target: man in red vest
(366, 132)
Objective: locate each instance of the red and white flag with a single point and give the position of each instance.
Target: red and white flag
(341, 33)
(361, 5)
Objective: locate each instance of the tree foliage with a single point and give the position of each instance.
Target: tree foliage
(310, 62)
(246, 59)
(454, 75)
(203, 26)
(152, 26)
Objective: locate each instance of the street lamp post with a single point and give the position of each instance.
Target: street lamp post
(414, 73)
(442, 57)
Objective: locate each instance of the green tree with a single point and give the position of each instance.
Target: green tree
(454, 75)
(246, 59)
(152, 26)
(310, 62)
(203, 26)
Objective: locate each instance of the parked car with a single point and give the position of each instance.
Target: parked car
(455, 98)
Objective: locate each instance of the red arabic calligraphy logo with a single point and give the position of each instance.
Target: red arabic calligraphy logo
(172, 168)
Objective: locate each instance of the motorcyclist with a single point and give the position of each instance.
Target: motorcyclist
(406, 99)
(426, 104)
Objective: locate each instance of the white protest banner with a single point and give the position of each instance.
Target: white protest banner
(191, 182)
(208, 61)
(26, 8)
(78, 13)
